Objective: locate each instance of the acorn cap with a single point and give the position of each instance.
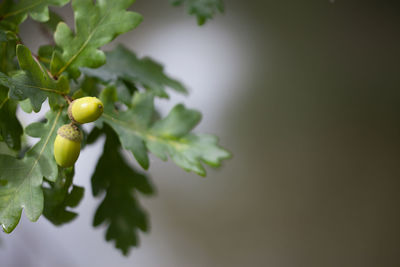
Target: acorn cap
(70, 112)
(71, 132)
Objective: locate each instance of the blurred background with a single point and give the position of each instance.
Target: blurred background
(306, 96)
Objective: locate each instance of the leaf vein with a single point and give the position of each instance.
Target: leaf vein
(129, 127)
(34, 165)
(69, 62)
(22, 9)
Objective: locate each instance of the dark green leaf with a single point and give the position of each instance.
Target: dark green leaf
(203, 9)
(120, 209)
(3, 36)
(23, 178)
(8, 41)
(95, 25)
(170, 136)
(13, 13)
(10, 127)
(34, 82)
(123, 65)
(3, 95)
(59, 198)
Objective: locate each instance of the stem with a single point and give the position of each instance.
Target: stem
(36, 58)
(68, 99)
(4, 101)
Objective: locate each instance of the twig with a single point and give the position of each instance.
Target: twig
(68, 99)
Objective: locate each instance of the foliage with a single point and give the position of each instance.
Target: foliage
(10, 128)
(202, 9)
(123, 67)
(23, 177)
(120, 208)
(107, 20)
(73, 67)
(12, 14)
(58, 197)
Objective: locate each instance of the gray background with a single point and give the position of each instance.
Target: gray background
(305, 94)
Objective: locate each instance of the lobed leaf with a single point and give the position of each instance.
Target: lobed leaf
(21, 180)
(120, 209)
(202, 9)
(34, 82)
(8, 41)
(124, 66)
(96, 24)
(13, 13)
(170, 136)
(60, 197)
(10, 127)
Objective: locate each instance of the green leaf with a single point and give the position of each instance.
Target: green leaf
(178, 123)
(203, 9)
(22, 179)
(26, 106)
(3, 96)
(123, 65)
(5, 150)
(34, 82)
(95, 25)
(8, 41)
(170, 136)
(130, 140)
(10, 127)
(120, 209)
(86, 87)
(14, 13)
(45, 53)
(3, 36)
(59, 198)
(52, 22)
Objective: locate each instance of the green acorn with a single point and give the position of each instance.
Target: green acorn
(67, 145)
(85, 109)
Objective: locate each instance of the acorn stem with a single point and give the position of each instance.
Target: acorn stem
(68, 99)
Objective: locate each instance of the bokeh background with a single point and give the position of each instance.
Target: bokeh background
(306, 96)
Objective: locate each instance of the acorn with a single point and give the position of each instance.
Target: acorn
(67, 145)
(85, 109)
